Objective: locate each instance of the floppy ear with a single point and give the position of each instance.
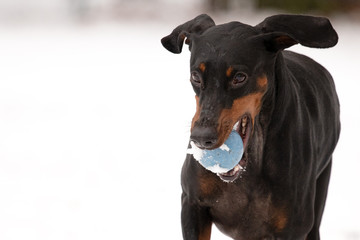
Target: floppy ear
(175, 40)
(283, 31)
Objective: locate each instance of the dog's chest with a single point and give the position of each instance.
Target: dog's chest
(246, 214)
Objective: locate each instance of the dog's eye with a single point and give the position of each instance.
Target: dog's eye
(195, 78)
(239, 78)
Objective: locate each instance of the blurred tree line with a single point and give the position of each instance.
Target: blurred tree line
(295, 6)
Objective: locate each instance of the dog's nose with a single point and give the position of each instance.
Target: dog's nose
(204, 137)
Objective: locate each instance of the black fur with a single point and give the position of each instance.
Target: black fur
(282, 193)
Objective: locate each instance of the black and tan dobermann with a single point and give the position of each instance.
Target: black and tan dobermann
(288, 112)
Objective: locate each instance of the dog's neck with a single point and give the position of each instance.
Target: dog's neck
(269, 121)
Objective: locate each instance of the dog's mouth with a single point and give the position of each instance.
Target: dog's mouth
(243, 126)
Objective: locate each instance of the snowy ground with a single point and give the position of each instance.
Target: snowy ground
(94, 122)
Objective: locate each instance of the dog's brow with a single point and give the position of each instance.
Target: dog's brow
(229, 71)
(202, 67)
(262, 82)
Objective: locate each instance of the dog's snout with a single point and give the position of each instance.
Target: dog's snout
(204, 137)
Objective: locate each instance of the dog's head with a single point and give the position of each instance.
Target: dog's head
(232, 67)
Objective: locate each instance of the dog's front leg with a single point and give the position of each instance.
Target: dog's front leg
(196, 221)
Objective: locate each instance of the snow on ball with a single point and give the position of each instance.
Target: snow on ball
(222, 159)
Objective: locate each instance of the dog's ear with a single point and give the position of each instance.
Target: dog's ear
(282, 31)
(175, 40)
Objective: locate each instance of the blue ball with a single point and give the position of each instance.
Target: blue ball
(224, 158)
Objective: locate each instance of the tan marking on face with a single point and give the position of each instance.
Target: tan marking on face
(262, 82)
(197, 113)
(229, 71)
(202, 67)
(250, 104)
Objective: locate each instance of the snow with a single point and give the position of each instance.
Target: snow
(224, 147)
(94, 125)
(199, 153)
(195, 151)
(217, 169)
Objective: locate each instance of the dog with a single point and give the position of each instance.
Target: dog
(286, 110)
